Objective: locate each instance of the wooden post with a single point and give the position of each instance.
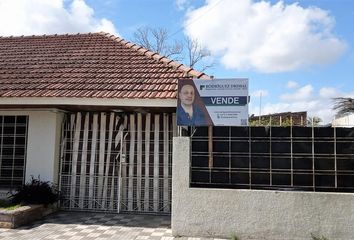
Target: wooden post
(165, 162)
(101, 157)
(156, 162)
(122, 167)
(210, 146)
(131, 162)
(174, 125)
(147, 162)
(108, 161)
(84, 162)
(122, 199)
(93, 160)
(75, 160)
(139, 160)
(291, 120)
(115, 179)
(63, 148)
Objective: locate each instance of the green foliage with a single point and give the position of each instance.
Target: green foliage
(267, 121)
(314, 237)
(285, 122)
(13, 207)
(35, 192)
(313, 121)
(261, 122)
(234, 237)
(6, 205)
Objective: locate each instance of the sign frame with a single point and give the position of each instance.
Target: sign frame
(217, 102)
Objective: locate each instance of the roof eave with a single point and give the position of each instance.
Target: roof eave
(131, 102)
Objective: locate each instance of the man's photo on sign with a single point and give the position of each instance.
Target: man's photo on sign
(189, 112)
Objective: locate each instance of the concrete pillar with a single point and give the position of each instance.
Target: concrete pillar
(180, 181)
(43, 146)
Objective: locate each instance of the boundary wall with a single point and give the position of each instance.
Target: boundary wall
(254, 214)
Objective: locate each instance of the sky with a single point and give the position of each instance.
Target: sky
(297, 55)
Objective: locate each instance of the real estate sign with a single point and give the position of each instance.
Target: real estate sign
(222, 102)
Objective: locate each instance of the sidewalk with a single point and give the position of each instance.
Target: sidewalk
(94, 226)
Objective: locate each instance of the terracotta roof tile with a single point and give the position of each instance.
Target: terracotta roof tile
(86, 65)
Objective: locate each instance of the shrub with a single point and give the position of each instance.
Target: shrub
(234, 237)
(35, 192)
(314, 237)
(5, 204)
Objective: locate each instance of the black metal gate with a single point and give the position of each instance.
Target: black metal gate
(282, 158)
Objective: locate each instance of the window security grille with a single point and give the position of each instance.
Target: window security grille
(281, 158)
(13, 142)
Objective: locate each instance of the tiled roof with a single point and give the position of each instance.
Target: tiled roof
(93, 65)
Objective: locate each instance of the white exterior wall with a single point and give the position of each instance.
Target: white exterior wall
(43, 143)
(344, 121)
(254, 214)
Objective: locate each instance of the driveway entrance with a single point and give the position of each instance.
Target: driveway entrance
(94, 226)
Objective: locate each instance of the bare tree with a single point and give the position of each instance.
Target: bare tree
(157, 40)
(196, 54)
(344, 105)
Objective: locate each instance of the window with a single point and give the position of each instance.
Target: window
(13, 142)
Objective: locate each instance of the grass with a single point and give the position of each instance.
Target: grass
(234, 237)
(6, 205)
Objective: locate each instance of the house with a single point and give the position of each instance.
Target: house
(92, 113)
(343, 121)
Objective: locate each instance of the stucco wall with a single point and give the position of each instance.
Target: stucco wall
(43, 142)
(254, 214)
(344, 121)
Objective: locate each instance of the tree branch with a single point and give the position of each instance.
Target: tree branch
(344, 105)
(157, 40)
